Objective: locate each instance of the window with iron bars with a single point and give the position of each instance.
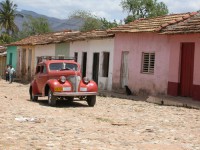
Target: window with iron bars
(148, 63)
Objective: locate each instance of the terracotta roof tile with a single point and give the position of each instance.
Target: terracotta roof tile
(191, 25)
(62, 36)
(151, 24)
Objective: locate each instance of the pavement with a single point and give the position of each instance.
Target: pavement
(112, 124)
(160, 100)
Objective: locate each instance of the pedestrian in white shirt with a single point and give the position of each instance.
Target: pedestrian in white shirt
(11, 73)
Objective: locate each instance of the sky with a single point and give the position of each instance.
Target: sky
(109, 9)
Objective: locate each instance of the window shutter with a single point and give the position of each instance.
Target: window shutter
(148, 62)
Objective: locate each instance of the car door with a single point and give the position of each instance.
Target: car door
(37, 76)
(42, 78)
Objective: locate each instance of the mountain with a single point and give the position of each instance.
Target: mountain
(55, 23)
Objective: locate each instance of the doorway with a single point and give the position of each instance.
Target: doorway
(95, 68)
(124, 69)
(11, 58)
(187, 69)
(29, 63)
(84, 64)
(23, 69)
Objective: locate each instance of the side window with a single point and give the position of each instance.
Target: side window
(43, 69)
(148, 63)
(37, 70)
(39, 59)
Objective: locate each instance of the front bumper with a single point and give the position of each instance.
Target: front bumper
(74, 93)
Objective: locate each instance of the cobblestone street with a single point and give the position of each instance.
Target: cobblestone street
(111, 124)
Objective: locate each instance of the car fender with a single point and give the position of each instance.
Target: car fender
(34, 87)
(91, 86)
(52, 83)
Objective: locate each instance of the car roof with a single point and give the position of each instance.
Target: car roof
(47, 62)
(55, 59)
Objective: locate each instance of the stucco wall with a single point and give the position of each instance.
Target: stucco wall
(25, 66)
(62, 49)
(2, 66)
(135, 44)
(175, 56)
(92, 46)
(44, 50)
(40, 50)
(12, 50)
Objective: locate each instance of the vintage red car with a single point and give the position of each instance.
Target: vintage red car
(60, 79)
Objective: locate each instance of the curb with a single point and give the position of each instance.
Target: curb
(174, 102)
(165, 100)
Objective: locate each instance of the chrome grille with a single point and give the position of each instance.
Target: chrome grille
(74, 80)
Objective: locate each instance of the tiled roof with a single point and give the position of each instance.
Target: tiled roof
(2, 49)
(62, 36)
(191, 25)
(3, 53)
(152, 24)
(95, 34)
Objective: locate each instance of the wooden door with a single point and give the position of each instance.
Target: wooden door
(124, 69)
(187, 69)
(23, 69)
(29, 64)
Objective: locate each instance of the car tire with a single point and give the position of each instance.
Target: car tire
(32, 96)
(51, 98)
(91, 100)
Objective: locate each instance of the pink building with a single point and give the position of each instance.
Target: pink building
(184, 71)
(150, 58)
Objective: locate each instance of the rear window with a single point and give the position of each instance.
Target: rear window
(63, 66)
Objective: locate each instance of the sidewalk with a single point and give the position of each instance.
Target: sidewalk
(160, 100)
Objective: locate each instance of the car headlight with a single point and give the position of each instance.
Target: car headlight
(63, 79)
(86, 80)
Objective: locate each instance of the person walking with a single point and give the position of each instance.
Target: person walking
(11, 73)
(7, 70)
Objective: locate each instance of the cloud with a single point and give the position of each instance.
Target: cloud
(181, 6)
(109, 9)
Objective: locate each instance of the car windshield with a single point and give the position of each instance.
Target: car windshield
(63, 66)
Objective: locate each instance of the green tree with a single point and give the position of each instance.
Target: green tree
(143, 9)
(5, 38)
(92, 22)
(7, 16)
(107, 24)
(34, 26)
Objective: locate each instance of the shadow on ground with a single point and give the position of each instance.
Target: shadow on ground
(62, 103)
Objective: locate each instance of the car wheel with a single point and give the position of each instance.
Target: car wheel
(51, 98)
(32, 96)
(91, 100)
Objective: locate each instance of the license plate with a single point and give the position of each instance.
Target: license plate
(58, 89)
(83, 89)
(66, 89)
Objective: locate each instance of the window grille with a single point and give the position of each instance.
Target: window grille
(148, 63)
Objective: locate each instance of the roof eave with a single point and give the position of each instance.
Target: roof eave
(180, 32)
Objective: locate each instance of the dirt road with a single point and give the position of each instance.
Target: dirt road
(112, 124)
